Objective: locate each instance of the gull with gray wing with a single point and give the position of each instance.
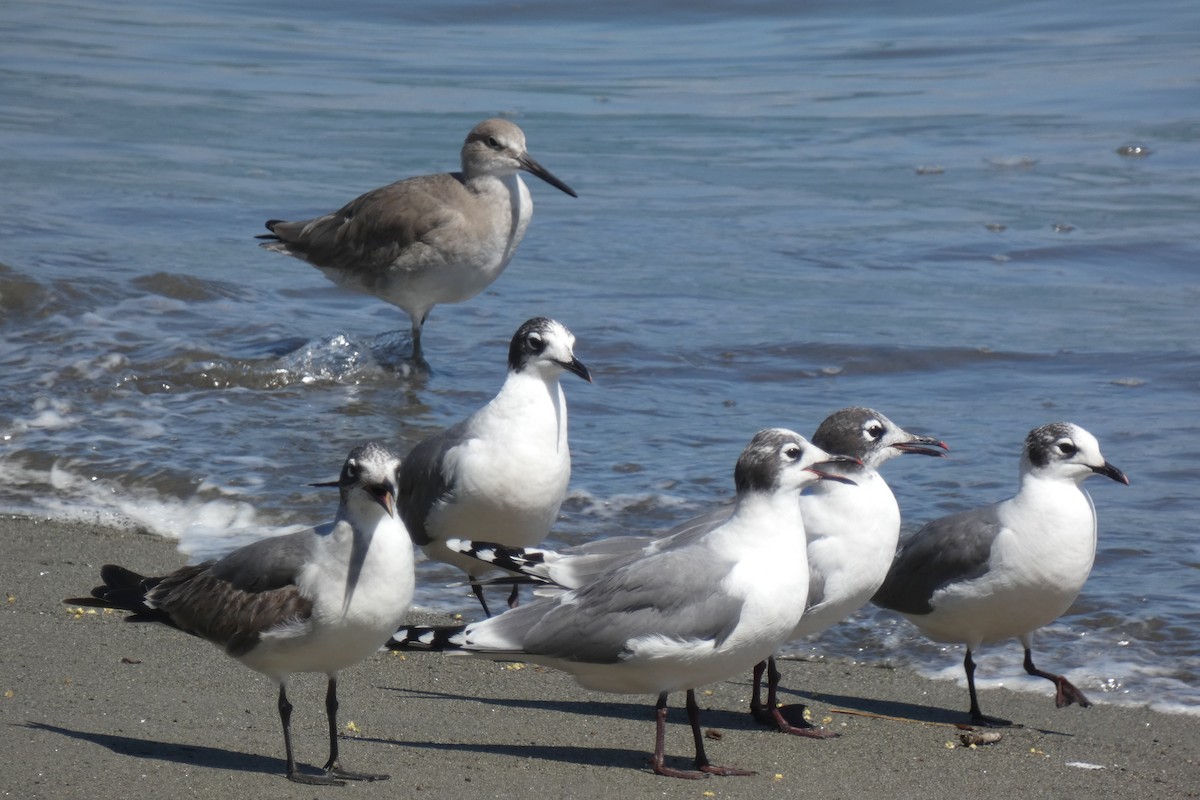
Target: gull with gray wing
(852, 530)
(506, 467)
(697, 610)
(319, 600)
(430, 239)
(1004, 570)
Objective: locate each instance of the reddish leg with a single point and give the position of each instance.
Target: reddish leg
(1065, 692)
(702, 762)
(789, 719)
(704, 767)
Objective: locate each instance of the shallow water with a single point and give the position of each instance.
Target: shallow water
(781, 213)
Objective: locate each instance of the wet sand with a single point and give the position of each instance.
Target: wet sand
(95, 708)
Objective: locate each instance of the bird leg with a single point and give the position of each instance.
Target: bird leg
(703, 767)
(333, 767)
(977, 716)
(418, 355)
(785, 719)
(1065, 693)
(285, 717)
(702, 762)
(478, 590)
(660, 738)
(514, 599)
(757, 711)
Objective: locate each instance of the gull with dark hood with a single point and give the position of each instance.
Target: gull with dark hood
(1004, 570)
(506, 467)
(319, 600)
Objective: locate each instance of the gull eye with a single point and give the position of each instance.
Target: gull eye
(536, 343)
(874, 430)
(493, 143)
(1067, 448)
(792, 452)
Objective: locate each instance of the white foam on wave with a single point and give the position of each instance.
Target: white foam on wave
(1139, 685)
(1107, 667)
(340, 359)
(45, 413)
(203, 527)
(584, 503)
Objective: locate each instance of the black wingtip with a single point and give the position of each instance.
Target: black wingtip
(512, 559)
(418, 637)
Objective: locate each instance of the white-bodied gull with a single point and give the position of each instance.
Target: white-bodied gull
(852, 530)
(319, 600)
(505, 468)
(430, 239)
(1004, 570)
(696, 611)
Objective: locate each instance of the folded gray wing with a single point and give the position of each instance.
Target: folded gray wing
(376, 229)
(579, 565)
(270, 563)
(674, 596)
(687, 532)
(948, 550)
(233, 601)
(423, 482)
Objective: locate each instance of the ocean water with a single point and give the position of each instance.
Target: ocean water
(974, 221)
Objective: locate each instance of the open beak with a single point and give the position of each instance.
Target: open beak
(577, 367)
(923, 445)
(530, 165)
(385, 495)
(1109, 471)
(815, 469)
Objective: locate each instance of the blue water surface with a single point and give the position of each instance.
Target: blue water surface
(947, 214)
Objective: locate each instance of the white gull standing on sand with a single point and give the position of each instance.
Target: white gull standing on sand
(852, 530)
(319, 600)
(696, 611)
(1004, 570)
(505, 468)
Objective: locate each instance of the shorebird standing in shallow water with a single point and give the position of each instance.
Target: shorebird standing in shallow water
(318, 600)
(1004, 570)
(430, 239)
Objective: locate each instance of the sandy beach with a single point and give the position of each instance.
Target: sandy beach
(95, 708)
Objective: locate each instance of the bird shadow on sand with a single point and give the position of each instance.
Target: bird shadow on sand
(678, 735)
(678, 742)
(191, 755)
(605, 709)
(724, 718)
(558, 754)
(907, 712)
